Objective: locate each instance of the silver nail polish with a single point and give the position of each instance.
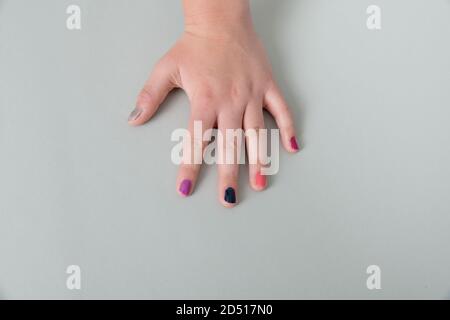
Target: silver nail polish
(135, 114)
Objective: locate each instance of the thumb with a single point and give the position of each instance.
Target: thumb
(161, 81)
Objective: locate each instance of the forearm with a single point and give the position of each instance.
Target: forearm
(214, 16)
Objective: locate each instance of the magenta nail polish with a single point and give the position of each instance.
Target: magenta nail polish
(185, 187)
(294, 144)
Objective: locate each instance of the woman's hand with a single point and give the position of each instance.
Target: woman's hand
(221, 65)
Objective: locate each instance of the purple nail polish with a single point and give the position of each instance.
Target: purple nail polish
(185, 187)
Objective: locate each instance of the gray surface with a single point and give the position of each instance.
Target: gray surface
(78, 186)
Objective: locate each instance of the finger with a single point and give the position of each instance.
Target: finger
(277, 106)
(160, 83)
(229, 147)
(193, 147)
(253, 123)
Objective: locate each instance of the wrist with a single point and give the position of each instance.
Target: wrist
(217, 17)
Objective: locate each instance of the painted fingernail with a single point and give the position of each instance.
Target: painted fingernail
(185, 187)
(135, 114)
(294, 144)
(260, 180)
(230, 195)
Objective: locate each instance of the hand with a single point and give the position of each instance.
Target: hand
(222, 67)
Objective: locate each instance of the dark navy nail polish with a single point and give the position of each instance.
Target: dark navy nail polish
(230, 195)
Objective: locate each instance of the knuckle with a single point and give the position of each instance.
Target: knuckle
(238, 93)
(287, 125)
(161, 65)
(144, 97)
(235, 92)
(205, 98)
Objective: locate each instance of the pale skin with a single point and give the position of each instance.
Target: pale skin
(222, 67)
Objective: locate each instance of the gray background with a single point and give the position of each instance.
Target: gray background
(371, 186)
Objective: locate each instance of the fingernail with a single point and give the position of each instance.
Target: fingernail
(260, 180)
(135, 114)
(294, 144)
(185, 187)
(230, 195)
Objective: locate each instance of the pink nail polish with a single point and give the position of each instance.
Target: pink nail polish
(294, 144)
(260, 180)
(185, 187)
